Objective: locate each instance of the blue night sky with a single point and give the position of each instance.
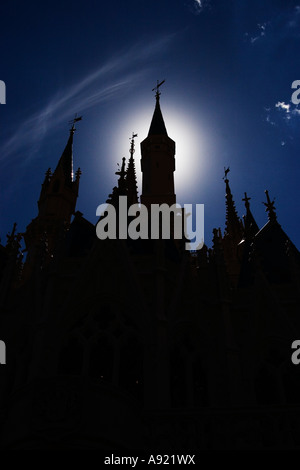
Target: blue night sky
(228, 66)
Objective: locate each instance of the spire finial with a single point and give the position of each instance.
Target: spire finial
(270, 208)
(226, 171)
(157, 94)
(246, 199)
(132, 150)
(76, 119)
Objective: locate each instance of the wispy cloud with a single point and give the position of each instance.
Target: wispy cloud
(283, 117)
(289, 109)
(284, 106)
(285, 23)
(104, 83)
(258, 34)
(268, 118)
(281, 111)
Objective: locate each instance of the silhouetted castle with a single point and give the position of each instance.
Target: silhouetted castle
(123, 344)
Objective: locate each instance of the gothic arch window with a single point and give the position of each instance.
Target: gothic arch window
(105, 346)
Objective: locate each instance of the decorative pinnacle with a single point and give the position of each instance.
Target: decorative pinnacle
(157, 94)
(270, 208)
(12, 234)
(121, 172)
(246, 200)
(132, 150)
(226, 171)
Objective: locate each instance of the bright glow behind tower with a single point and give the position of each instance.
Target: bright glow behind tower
(190, 157)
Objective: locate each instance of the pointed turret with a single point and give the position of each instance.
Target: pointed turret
(56, 204)
(65, 162)
(60, 184)
(157, 126)
(158, 161)
(233, 223)
(250, 225)
(233, 235)
(122, 178)
(119, 190)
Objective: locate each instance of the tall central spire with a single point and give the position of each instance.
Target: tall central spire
(158, 160)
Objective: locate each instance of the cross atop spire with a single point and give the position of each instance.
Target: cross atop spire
(76, 119)
(157, 94)
(270, 208)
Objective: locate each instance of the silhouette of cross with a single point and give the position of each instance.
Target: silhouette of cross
(157, 88)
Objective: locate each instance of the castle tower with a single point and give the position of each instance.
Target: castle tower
(56, 205)
(158, 161)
